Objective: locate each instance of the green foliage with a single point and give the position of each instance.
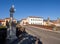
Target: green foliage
(2, 26)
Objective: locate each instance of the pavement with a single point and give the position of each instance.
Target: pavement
(47, 37)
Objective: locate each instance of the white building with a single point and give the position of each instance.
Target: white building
(35, 20)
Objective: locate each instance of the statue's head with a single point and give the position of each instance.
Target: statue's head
(12, 6)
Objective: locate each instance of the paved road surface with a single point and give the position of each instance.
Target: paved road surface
(47, 37)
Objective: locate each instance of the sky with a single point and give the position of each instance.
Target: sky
(25, 8)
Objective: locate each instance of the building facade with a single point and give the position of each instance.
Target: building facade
(3, 21)
(23, 22)
(35, 20)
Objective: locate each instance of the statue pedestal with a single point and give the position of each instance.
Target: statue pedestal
(11, 34)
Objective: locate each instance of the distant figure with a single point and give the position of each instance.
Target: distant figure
(13, 24)
(0, 23)
(7, 24)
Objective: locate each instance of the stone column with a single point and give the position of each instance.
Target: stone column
(12, 30)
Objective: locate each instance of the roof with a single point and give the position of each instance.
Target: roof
(7, 18)
(1, 20)
(35, 17)
(44, 20)
(24, 19)
(54, 21)
(51, 20)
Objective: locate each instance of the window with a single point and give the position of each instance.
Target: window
(31, 19)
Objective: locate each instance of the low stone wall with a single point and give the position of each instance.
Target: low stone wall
(43, 26)
(57, 28)
(51, 27)
(19, 31)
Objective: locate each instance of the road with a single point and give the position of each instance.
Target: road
(47, 37)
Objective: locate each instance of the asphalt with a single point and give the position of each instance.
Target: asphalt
(47, 37)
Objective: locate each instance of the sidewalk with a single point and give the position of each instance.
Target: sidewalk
(45, 29)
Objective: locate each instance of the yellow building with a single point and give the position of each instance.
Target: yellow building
(23, 22)
(3, 21)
